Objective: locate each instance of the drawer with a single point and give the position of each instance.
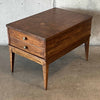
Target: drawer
(26, 38)
(27, 47)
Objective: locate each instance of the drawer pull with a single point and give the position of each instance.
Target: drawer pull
(25, 47)
(24, 38)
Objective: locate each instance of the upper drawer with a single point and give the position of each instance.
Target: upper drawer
(26, 38)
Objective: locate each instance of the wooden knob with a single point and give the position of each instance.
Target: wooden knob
(24, 38)
(25, 47)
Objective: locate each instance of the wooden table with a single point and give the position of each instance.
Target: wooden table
(47, 36)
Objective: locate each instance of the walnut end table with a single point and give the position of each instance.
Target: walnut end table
(47, 36)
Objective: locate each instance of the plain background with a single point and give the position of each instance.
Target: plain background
(12, 10)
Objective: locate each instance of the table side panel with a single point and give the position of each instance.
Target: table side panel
(67, 49)
(62, 41)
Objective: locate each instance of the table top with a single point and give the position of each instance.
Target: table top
(49, 23)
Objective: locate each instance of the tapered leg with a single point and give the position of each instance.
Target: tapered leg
(12, 55)
(87, 49)
(45, 75)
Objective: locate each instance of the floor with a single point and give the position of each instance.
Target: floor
(70, 78)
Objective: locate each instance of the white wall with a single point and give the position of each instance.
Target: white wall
(12, 10)
(91, 7)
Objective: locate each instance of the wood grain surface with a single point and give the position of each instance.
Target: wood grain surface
(47, 36)
(49, 23)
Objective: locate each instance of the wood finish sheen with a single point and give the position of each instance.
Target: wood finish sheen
(87, 49)
(12, 56)
(45, 68)
(48, 36)
(55, 21)
(30, 48)
(30, 39)
(64, 40)
(26, 55)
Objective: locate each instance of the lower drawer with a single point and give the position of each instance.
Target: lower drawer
(27, 47)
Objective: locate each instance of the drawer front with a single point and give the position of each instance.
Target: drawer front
(27, 47)
(26, 38)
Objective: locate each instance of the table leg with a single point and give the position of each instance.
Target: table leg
(45, 68)
(12, 56)
(87, 49)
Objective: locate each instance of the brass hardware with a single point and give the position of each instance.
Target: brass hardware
(24, 38)
(25, 47)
